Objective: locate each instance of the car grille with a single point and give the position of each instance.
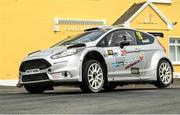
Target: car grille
(35, 77)
(34, 64)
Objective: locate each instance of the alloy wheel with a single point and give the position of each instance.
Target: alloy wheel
(95, 76)
(165, 72)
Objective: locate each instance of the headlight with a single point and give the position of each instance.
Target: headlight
(66, 53)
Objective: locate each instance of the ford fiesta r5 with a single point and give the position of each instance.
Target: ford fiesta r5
(99, 58)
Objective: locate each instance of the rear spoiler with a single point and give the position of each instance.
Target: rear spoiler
(157, 34)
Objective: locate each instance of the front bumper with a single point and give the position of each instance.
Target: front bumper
(63, 70)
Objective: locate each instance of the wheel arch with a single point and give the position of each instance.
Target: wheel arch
(96, 55)
(165, 58)
(156, 58)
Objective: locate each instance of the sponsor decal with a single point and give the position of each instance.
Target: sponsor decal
(110, 52)
(33, 71)
(141, 57)
(114, 54)
(123, 52)
(134, 70)
(117, 64)
(146, 41)
(139, 35)
(138, 60)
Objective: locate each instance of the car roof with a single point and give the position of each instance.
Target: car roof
(107, 28)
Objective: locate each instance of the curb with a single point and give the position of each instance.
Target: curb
(12, 82)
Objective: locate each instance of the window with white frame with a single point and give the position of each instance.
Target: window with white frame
(174, 45)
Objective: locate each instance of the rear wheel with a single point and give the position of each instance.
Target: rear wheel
(164, 74)
(93, 76)
(34, 88)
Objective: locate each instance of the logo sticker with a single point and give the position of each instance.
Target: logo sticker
(115, 54)
(123, 52)
(139, 35)
(146, 41)
(33, 71)
(117, 64)
(141, 57)
(110, 52)
(134, 70)
(138, 60)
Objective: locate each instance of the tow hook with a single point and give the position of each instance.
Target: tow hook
(19, 85)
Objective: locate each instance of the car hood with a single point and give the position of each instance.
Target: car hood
(54, 50)
(48, 52)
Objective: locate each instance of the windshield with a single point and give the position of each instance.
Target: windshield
(88, 36)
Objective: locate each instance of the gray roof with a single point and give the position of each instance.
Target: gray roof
(130, 12)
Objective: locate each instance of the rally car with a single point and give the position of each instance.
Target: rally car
(100, 58)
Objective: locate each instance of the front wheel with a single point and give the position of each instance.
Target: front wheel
(93, 76)
(34, 88)
(164, 74)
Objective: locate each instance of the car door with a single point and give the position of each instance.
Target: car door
(110, 53)
(131, 55)
(123, 63)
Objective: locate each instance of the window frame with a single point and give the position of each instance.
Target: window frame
(98, 44)
(176, 44)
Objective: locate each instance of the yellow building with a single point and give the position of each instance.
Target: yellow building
(30, 25)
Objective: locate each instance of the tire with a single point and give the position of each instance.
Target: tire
(110, 87)
(164, 74)
(35, 89)
(92, 77)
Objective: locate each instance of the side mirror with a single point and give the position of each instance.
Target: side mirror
(123, 43)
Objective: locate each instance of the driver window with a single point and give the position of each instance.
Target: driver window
(117, 36)
(121, 35)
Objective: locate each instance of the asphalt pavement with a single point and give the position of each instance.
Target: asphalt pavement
(130, 99)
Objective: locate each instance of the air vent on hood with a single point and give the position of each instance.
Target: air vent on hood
(76, 46)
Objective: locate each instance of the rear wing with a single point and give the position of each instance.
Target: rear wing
(157, 34)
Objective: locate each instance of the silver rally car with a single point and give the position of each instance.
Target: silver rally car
(99, 58)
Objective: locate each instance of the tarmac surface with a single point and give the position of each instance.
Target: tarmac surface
(123, 100)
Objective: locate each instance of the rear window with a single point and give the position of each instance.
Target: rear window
(144, 38)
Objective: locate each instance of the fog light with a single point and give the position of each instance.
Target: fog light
(19, 85)
(60, 75)
(67, 74)
(49, 70)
